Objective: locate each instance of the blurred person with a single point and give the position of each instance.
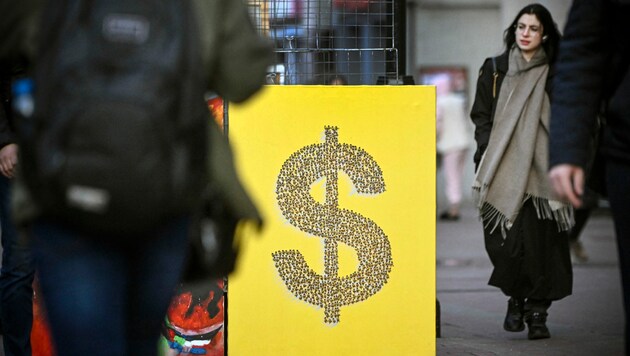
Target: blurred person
(109, 296)
(525, 227)
(337, 80)
(453, 142)
(593, 80)
(16, 277)
(582, 214)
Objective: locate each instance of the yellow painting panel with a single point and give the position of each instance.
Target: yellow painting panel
(345, 179)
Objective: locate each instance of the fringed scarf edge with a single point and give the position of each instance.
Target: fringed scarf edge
(546, 209)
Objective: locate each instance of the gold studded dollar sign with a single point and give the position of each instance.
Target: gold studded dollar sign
(333, 224)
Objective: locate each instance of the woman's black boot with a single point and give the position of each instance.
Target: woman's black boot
(514, 316)
(537, 327)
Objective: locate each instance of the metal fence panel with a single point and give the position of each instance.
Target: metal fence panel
(318, 40)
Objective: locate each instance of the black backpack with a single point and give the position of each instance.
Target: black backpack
(118, 140)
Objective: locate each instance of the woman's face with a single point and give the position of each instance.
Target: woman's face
(528, 34)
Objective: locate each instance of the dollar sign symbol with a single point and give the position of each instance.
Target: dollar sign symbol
(303, 168)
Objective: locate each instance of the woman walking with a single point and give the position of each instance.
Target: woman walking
(525, 228)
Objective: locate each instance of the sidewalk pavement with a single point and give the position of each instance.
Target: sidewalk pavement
(589, 322)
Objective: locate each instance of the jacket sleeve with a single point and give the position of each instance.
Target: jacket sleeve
(578, 84)
(481, 113)
(7, 135)
(7, 129)
(19, 29)
(236, 57)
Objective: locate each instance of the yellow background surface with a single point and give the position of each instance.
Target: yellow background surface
(396, 126)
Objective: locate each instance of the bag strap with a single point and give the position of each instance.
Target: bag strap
(495, 75)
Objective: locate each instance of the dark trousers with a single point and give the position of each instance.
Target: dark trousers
(590, 201)
(581, 217)
(618, 184)
(16, 282)
(108, 297)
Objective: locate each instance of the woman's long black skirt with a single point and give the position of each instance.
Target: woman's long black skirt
(533, 261)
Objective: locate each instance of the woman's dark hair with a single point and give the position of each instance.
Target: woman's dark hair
(550, 29)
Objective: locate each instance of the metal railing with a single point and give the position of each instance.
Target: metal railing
(318, 40)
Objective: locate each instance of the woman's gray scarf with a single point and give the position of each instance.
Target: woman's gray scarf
(514, 165)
